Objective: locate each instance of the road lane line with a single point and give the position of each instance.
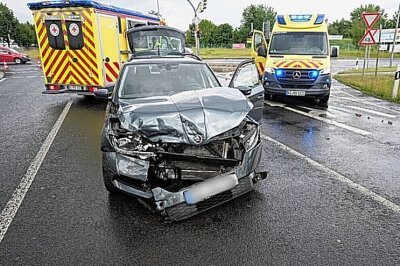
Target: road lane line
(331, 122)
(371, 111)
(3, 79)
(12, 206)
(338, 177)
(317, 117)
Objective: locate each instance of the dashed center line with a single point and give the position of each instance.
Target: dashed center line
(12, 206)
(339, 177)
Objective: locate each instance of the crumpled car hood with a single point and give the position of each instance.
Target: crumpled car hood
(191, 117)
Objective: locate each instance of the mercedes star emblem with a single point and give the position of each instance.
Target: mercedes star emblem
(296, 75)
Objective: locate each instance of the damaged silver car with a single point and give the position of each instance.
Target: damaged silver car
(175, 138)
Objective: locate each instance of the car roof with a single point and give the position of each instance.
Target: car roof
(161, 60)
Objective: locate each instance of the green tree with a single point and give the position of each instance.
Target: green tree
(257, 15)
(190, 41)
(342, 27)
(8, 23)
(240, 35)
(223, 35)
(358, 26)
(25, 34)
(391, 23)
(207, 31)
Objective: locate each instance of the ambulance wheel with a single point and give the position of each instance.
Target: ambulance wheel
(17, 61)
(268, 96)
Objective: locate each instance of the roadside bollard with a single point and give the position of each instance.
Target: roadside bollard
(357, 64)
(5, 66)
(396, 83)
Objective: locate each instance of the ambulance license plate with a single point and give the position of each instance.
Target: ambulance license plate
(295, 93)
(75, 88)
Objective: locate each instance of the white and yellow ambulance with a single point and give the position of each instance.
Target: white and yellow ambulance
(83, 43)
(296, 60)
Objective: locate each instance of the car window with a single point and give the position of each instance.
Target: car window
(146, 80)
(246, 76)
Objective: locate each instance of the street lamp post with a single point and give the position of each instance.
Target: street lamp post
(196, 21)
(395, 37)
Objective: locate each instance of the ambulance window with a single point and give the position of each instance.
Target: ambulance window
(134, 24)
(55, 34)
(75, 35)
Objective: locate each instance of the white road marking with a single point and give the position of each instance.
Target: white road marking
(371, 111)
(12, 206)
(331, 122)
(338, 177)
(357, 100)
(3, 79)
(317, 117)
(29, 77)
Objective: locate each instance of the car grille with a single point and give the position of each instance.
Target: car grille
(303, 80)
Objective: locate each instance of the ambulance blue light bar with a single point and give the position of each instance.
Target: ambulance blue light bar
(320, 19)
(300, 18)
(281, 20)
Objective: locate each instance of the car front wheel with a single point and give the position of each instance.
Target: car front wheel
(17, 61)
(108, 177)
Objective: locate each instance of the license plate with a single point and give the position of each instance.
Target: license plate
(295, 93)
(76, 88)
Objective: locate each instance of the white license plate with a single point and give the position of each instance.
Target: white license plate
(295, 93)
(76, 88)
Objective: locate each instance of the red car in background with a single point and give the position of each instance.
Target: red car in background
(10, 55)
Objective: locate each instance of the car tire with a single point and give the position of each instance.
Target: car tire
(17, 61)
(324, 100)
(268, 96)
(108, 177)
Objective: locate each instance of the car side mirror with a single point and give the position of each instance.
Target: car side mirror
(103, 94)
(245, 90)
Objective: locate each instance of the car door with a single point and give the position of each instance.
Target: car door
(247, 81)
(5, 56)
(259, 50)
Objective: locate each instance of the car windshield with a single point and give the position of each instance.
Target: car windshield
(147, 80)
(161, 42)
(299, 43)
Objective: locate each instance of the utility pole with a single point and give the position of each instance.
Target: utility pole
(158, 7)
(395, 37)
(196, 20)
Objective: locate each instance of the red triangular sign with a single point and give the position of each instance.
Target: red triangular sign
(370, 18)
(367, 39)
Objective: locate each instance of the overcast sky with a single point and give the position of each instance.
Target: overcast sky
(179, 14)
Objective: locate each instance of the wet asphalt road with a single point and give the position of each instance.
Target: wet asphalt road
(301, 214)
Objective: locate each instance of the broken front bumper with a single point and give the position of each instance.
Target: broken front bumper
(193, 199)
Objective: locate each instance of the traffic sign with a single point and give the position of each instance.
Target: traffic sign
(370, 18)
(367, 39)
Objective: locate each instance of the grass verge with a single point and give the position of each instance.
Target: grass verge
(381, 87)
(368, 70)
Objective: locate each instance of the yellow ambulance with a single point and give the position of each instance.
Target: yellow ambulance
(295, 61)
(82, 43)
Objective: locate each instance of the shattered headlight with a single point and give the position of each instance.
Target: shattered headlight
(133, 146)
(251, 139)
